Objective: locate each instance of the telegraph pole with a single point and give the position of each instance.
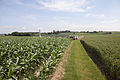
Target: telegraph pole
(39, 33)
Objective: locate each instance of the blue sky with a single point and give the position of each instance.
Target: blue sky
(48, 15)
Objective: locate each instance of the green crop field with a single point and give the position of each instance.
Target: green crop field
(34, 58)
(106, 48)
(21, 56)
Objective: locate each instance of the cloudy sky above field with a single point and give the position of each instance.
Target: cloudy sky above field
(48, 15)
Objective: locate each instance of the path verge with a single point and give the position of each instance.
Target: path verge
(80, 66)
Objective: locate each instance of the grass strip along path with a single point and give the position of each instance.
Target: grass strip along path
(80, 66)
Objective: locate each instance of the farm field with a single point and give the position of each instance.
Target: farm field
(20, 57)
(106, 50)
(80, 66)
(34, 58)
(59, 39)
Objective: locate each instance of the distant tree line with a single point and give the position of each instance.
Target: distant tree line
(23, 34)
(49, 33)
(68, 31)
(56, 32)
(91, 31)
(107, 32)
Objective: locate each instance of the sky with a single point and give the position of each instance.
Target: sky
(49, 15)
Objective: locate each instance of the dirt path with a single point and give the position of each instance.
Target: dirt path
(80, 37)
(59, 73)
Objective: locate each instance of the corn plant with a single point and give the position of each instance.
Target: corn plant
(21, 56)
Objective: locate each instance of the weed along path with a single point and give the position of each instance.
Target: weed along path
(80, 66)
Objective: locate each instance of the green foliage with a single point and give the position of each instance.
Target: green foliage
(107, 49)
(23, 34)
(21, 56)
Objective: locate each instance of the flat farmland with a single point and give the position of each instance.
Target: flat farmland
(106, 50)
(20, 57)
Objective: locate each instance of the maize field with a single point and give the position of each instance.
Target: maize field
(21, 56)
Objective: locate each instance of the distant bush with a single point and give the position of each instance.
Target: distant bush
(107, 32)
(24, 34)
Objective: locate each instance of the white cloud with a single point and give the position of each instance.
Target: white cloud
(108, 25)
(96, 15)
(66, 5)
(30, 16)
(23, 28)
(110, 21)
(90, 7)
(84, 27)
(58, 5)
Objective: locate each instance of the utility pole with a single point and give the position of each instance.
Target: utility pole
(39, 33)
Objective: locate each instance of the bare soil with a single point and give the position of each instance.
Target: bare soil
(60, 68)
(36, 71)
